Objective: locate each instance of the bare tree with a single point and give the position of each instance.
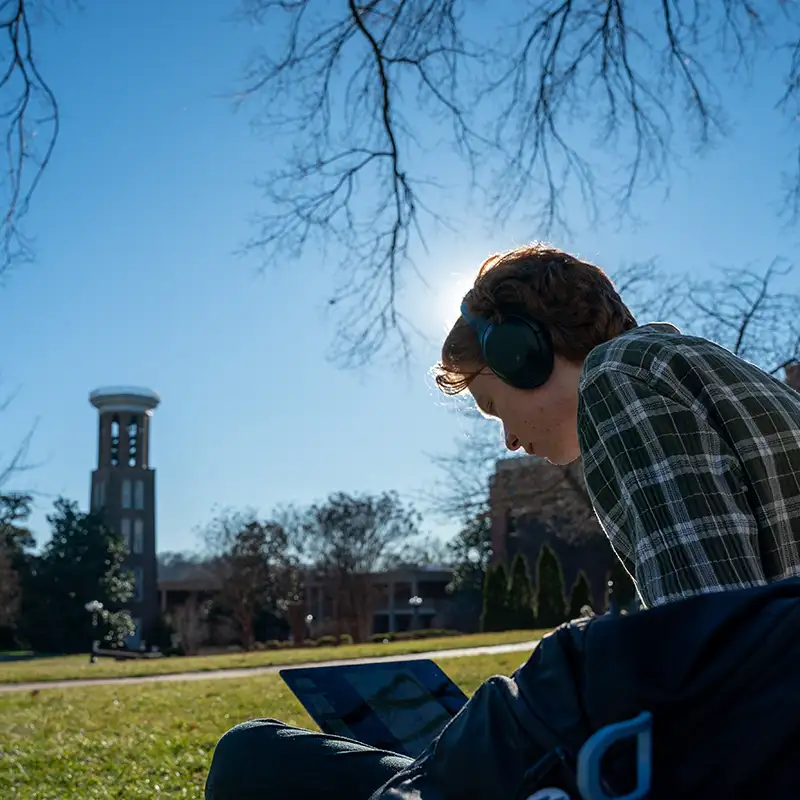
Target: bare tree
(250, 558)
(190, 620)
(344, 541)
(15, 463)
(748, 313)
(340, 82)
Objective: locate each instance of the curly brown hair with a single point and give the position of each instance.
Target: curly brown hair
(574, 299)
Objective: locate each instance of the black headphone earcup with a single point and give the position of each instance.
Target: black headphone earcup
(519, 352)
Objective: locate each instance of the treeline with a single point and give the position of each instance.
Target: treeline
(340, 542)
(515, 599)
(259, 563)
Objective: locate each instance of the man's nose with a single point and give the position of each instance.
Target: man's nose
(512, 443)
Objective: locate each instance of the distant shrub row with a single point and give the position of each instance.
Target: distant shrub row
(346, 638)
(404, 636)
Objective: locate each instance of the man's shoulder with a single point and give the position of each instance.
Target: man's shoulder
(659, 351)
(689, 369)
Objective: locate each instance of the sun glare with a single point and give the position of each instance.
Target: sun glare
(449, 296)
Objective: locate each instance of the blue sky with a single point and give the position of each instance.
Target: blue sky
(136, 282)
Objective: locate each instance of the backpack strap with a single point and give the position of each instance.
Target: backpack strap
(590, 779)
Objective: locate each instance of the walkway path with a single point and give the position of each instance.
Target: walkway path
(248, 672)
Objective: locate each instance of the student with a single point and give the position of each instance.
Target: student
(691, 458)
(691, 455)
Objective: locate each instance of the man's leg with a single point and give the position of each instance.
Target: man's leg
(264, 759)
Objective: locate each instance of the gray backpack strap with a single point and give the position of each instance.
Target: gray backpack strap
(590, 779)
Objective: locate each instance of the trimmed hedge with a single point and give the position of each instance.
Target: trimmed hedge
(404, 636)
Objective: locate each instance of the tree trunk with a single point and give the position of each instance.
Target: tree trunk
(244, 619)
(296, 615)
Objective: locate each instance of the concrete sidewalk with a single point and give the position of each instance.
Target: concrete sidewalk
(248, 672)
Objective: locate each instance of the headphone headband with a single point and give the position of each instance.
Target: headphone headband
(478, 324)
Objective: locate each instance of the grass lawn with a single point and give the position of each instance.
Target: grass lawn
(152, 740)
(71, 667)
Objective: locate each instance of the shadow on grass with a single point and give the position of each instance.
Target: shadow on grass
(26, 655)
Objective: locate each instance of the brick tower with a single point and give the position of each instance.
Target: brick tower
(124, 486)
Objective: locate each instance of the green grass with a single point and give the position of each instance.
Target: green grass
(153, 740)
(72, 667)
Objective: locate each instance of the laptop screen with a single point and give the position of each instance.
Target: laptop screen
(400, 706)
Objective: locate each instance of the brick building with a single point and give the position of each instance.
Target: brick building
(793, 376)
(392, 590)
(534, 503)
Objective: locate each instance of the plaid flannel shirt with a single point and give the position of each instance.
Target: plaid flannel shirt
(692, 461)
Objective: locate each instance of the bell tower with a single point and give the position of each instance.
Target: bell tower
(124, 488)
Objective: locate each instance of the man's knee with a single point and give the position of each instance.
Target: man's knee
(241, 759)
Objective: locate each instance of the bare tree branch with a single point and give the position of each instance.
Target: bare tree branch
(343, 94)
(748, 314)
(18, 462)
(349, 181)
(29, 110)
(11, 466)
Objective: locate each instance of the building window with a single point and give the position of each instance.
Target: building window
(138, 536)
(126, 534)
(126, 494)
(114, 442)
(138, 588)
(133, 436)
(138, 495)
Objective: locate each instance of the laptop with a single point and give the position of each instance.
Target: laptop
(400, 706)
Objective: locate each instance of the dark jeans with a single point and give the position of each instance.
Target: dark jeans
(484, 752)
(264, 759)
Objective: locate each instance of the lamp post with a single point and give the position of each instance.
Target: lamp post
(94, 607)
(415, 601)
(309, 620)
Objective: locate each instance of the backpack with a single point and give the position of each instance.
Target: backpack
(714, 680)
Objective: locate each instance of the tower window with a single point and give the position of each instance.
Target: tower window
(138, 536)
(138, 495)
(126, 494)
(133, 440)
(138, 588)
(115, 441)
(98, 495)
(126, 533)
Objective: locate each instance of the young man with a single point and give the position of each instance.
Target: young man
(691, 455)
(692, 459)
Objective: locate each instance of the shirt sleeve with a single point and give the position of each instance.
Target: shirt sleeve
(667, 488)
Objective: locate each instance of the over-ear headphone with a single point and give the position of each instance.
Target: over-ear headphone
(518, 350)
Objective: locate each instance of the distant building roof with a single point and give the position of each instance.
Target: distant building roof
(124, 398)
(189, 574)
